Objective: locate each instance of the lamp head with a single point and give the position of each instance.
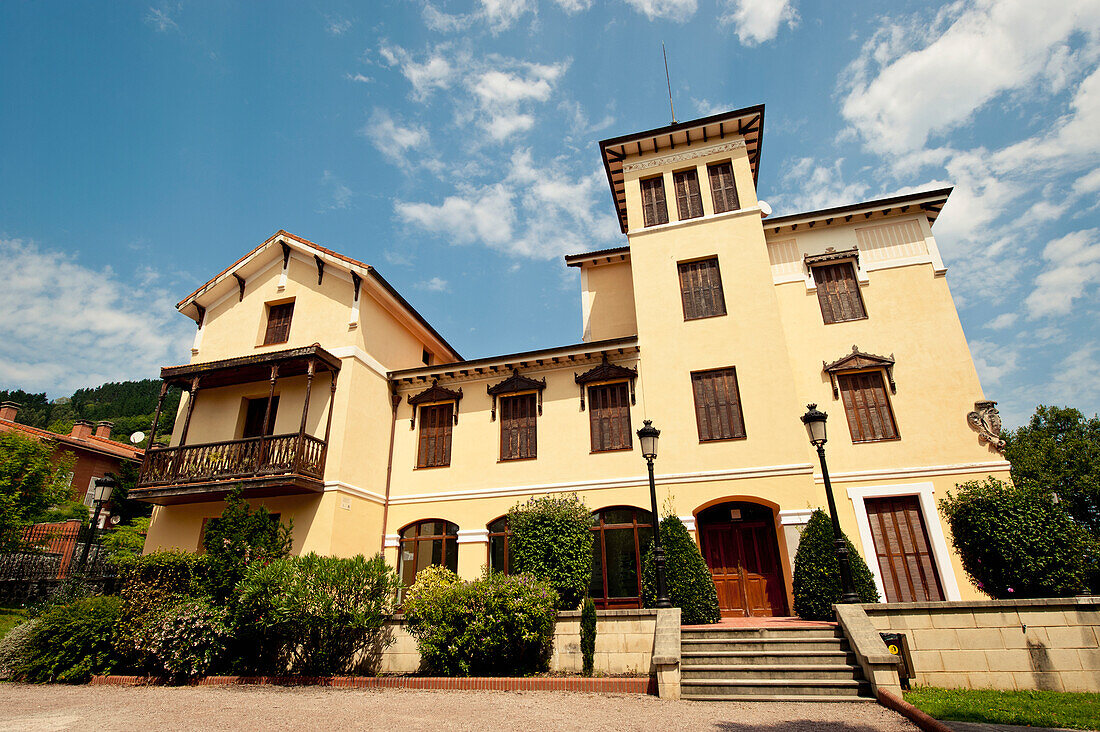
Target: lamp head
(104, 487)
(814, 419)
(648, 435)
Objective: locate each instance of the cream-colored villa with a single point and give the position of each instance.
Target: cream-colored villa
(321, 389)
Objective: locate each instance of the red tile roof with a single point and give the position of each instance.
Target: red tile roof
(91, 442)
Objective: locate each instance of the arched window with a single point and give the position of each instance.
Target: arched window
(425, 543)
(623, 534)
(500, 550)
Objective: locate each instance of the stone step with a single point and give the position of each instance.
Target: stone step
(781, 686)
(726, 632)
(829, 698)
(782, 671)
(752, 658)
(764, 645)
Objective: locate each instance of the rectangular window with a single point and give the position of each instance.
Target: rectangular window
(278, 323)
(838, 293)
(904, 554)
(609, 415)
(869, 416)
(435, 435)
(254, 417)
(722, 188)
(653, 201)
(689, 202)
(717, 405)
(426, 357)
(701, 289)
(518, 440)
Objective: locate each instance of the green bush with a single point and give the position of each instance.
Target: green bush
(127, 540)
(73, 642)
(239, 537)
(690, 585)
(817, 584)
(318, 616)
(498, 625)
(14, 647)
(1016, 542)
(588, 635)
(151, 584)
(552, 541)
(188, 640)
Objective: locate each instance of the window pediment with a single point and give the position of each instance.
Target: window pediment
(859, 360)
(606, 371)
(515, 384)
(434, 393)
(830, 256)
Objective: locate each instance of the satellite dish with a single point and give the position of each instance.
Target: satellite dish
(137, 437)
(115, 520)
(765, 209)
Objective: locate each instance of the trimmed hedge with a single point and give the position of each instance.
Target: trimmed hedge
(186, 641)
(73, 642)
(588, 635)
(552, 540)
(817, 584)
(690, 585)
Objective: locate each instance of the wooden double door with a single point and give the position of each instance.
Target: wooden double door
(743, 557)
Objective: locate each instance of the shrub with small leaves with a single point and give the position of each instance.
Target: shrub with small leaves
(14, 647)
(73, 642)
(817, 585)
(552, 540)
(690, 584)
(186, 641)
(588, 635)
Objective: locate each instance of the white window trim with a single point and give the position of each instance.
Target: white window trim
(940, 551)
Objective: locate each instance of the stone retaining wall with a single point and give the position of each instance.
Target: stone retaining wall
(624, 643)
(1049, 644)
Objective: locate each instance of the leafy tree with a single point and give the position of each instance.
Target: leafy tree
(1059, 450)
(30, 482)
(817, 585)
(1015, 542)
(690, 585)
(552, 540)
(34, 409)
(241, 536)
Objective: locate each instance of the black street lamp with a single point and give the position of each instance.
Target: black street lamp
(648, 435)
(815, 426)
(101, 495)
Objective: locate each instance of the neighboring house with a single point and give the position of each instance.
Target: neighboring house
(94, 452)
(317, 386)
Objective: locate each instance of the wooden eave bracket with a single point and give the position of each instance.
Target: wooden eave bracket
(434, 393)
(858, 360)
(606, 371)
(240, 285)
(515, 384)
(356, 281)
(286, 253)
(202, 315)
(320, 268)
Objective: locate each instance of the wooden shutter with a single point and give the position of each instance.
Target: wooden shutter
(689, 202)
(869, 416)
(518, 439)
(436, 421)
(701, 289)
(901, 546)
(609, 415)
(653, 201)
(278, 323)
(722, 188)
(717, 405)
(838, 293)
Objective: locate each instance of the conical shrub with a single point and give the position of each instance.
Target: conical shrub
(817, 573)
(690, 586)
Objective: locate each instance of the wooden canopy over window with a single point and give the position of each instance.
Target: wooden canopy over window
(434, 394)
(606, 371)
(515, 384)
(247, 369)
(857, 360)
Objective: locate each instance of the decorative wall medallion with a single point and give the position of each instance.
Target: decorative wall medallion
(987, 421)
(681, 157)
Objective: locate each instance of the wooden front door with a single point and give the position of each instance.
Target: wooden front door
(744, 561)
(902, 549)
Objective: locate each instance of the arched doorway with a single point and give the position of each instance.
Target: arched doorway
(739, 544)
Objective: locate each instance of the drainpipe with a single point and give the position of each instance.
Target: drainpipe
(395, 399)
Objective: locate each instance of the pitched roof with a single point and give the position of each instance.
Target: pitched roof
(930, 202)
(91, 442)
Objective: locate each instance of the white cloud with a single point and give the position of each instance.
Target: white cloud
(756, 21)
(1073, 266)
(434, 72)
(1003, 321)
(337, 195)
(161, 18)
(499, 15)
(502, 14)
(1076, 379)
(994, 361)
(810, 185)
(503, 126)
(68, 326)
(677, 10)
(485, 214)
(358, 77)
(435, 284)
(337, 26)
(392, 138)
(442, 22)
(573, 6)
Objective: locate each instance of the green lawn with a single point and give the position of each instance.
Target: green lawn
(9, 618)
(1034, 708)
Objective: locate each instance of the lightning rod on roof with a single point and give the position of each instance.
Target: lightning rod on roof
(668, 80)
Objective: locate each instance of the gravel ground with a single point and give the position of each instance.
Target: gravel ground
(47, 708)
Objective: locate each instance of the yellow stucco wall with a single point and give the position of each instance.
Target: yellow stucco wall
(607, 301)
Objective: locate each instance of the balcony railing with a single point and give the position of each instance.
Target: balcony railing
(253, 457)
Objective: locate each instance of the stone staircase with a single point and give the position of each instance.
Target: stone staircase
(808, 663)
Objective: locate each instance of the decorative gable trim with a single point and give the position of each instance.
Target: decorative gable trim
(684, 156)
(514, 384)
(858, 360)
(606, 371)
(832, 256)
(434, 393)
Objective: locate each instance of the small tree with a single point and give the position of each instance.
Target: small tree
(817, 585)
(30, 482)
(588, 635)
(690, 585)
(241, 536)
(1014, 541)
(552, 540)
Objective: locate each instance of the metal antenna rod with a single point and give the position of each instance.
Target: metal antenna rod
(669, 82)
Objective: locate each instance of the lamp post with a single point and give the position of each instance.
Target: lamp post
(102, 494)
(814, 420)
(648, 435)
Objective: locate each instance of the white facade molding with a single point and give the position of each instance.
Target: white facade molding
(336, 485)
(691, 154)
(940, 551)
(198, 338)
(473, 536)
(795, 516)
(689, 522)
(393, 541)
(589, 485)
(925, 471)
(696, 221)
(361, 356)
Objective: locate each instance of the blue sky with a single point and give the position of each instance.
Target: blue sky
(143, 147)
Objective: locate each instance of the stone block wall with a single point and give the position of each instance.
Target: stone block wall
(1048, 644)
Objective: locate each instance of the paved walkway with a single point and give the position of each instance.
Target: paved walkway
(52, 708)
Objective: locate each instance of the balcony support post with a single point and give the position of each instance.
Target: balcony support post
(261, 448)
(305, 412)
(192, 394)
(328, 423)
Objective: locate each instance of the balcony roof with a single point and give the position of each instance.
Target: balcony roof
(247, 369)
